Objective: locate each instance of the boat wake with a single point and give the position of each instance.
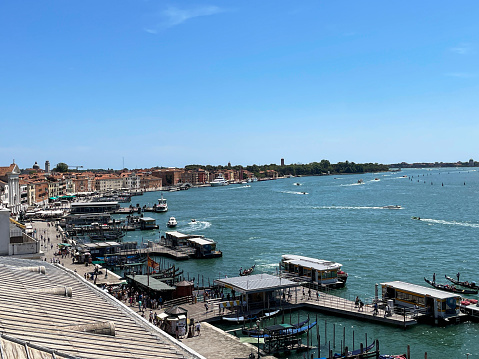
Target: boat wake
(348, 207)
(293, 192)
(449, 223)
(352, 184)
(198, 225)
(240, 187)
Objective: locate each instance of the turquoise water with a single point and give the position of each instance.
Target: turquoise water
(341, 220)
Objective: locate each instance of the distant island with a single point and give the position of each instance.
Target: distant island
(470, 163)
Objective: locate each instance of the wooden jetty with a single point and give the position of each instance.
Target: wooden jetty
(162, 251)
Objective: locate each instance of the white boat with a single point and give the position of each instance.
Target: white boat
(219, 181)
(172, 222)
(162, 206)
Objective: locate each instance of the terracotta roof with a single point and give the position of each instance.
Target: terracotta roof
(5, 170)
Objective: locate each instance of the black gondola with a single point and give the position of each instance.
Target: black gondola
(450, 288)
(256, 332)
(247, 271)
(471, 285)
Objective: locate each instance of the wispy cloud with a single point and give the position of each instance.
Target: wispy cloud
(462, 49)
(173, 16)
(463, 75)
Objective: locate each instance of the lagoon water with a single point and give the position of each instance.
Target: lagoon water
(341, 220)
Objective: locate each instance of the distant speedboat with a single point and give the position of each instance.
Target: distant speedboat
(219, 181)
(392, 207)
(297, 184)
(193, 220)
(172, 222)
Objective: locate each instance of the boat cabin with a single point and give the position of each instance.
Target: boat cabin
(147, 223)
(317, 271)
(176, 239)
(101, 249)
(94, 207)
(438, 303)
(204, 247)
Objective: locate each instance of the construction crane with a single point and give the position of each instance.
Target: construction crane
(76, 167)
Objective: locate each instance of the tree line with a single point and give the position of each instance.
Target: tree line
(298, 169)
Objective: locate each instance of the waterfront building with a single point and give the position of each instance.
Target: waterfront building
(169, 176)
(10, 196)
(108, 182)
(14, 241)
(437, 303)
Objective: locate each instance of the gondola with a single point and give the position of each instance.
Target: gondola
(288, 331)
(356, 352)
(471, 285)
(247, 271)
(255, 331)
(450, 288)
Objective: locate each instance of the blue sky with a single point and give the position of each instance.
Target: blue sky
(159, 83)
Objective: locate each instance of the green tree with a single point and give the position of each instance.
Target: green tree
(61, 167)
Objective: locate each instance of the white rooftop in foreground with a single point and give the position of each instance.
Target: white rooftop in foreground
(256, 283)
(419, 289)
(88, 324)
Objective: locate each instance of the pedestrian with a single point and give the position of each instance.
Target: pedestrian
(317, 295)
(356, 302)
(375, 310)
(434, 278)
(206, 307)
(309, 293)
(361, 305)
(198, 328)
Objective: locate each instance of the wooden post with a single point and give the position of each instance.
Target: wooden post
(334, 335)
(344, 337)
(325, 333)
(408, 352)
(353, 340)
(377, 349)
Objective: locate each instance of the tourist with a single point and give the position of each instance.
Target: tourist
(361, 305)
(206, 307)
(198, 328)
(356, 302)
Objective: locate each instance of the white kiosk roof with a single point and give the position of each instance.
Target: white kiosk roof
(256, 283)
(419, 289)
(313, 263)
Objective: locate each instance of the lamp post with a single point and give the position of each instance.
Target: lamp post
(258, 322)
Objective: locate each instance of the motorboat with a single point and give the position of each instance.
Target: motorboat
(219, 181)
(162, 206)
(392, 207)
(172, 222)
(193, 220)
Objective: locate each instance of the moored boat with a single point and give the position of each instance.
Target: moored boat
(219, 181)
(450, 288)
(162, 206)
(471, 285)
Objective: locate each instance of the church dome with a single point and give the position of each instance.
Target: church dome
(36, 166)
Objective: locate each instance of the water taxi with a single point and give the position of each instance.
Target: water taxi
(319, 272)
(172, 222)
(162, 206)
